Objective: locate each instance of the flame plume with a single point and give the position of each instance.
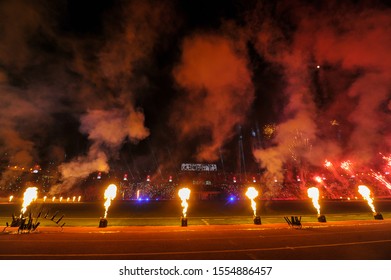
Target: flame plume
(252, 193)
(11, 198)
(110, 194)
(366, 194)
(184, 194)
(313, 193)
(29, 196)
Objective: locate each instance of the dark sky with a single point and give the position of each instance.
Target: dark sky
(158, 83)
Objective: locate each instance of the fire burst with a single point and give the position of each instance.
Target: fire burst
(11, 198)
(313, 193)
(318, 179)
(347, 165)
(388, 159)
(252, 193)
(269, 130)
(327, 163)
(381, 179)
(110, 194)
(366, 194)
(29, 196)
(184, 194)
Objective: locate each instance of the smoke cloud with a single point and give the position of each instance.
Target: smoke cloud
(46, 72)
(218, 91)
(351, 85)
(106, 130)
(115, 118)
(75, 90)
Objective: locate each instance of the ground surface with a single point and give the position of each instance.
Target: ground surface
(332, 240)
(214, 231)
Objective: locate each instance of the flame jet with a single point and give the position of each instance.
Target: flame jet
(110, 194)
(184, 194)
(366, 194)
(29, 196)
(313, 193)
(252, 193)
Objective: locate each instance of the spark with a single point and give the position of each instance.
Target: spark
(387, 158)
(269, 130)
(347, 165)
(327, 163)
(381, 179)
(334, 122)
(318, 179)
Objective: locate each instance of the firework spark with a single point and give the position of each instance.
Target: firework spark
(387, 158)
(327, 163)
(318, 179)
(381, 179)
(346, 165)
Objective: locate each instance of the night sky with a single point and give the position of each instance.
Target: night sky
(94, 85)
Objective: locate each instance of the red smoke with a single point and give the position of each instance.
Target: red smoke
(217, 91)
(351, 44)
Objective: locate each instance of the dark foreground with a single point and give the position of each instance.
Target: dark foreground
(350, 240)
